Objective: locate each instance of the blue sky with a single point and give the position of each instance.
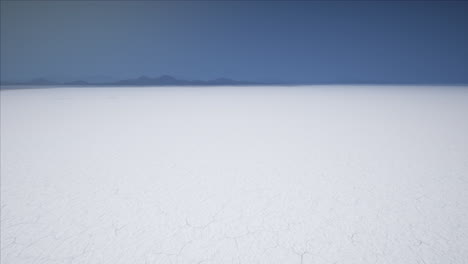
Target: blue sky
(288, 41)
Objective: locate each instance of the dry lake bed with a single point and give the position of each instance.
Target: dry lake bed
(306, 174)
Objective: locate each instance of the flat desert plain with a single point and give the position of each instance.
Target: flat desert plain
(299, 174)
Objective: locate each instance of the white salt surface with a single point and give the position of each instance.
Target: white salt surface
(235, 175)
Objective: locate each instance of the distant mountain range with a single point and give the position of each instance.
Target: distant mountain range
(163, 80)
(167, 80)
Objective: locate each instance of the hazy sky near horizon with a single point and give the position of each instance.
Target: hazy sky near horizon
(289, 41)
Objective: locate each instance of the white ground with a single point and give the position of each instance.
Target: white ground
(235, 175)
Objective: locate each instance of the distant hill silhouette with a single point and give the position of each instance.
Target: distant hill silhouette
(41, 81)
(163, 80)
(76, 83)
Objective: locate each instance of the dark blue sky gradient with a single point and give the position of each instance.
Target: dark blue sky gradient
(297, 42)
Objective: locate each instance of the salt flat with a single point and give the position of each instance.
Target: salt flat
(319, 174)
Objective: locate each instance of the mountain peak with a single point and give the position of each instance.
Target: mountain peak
(166, 77)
